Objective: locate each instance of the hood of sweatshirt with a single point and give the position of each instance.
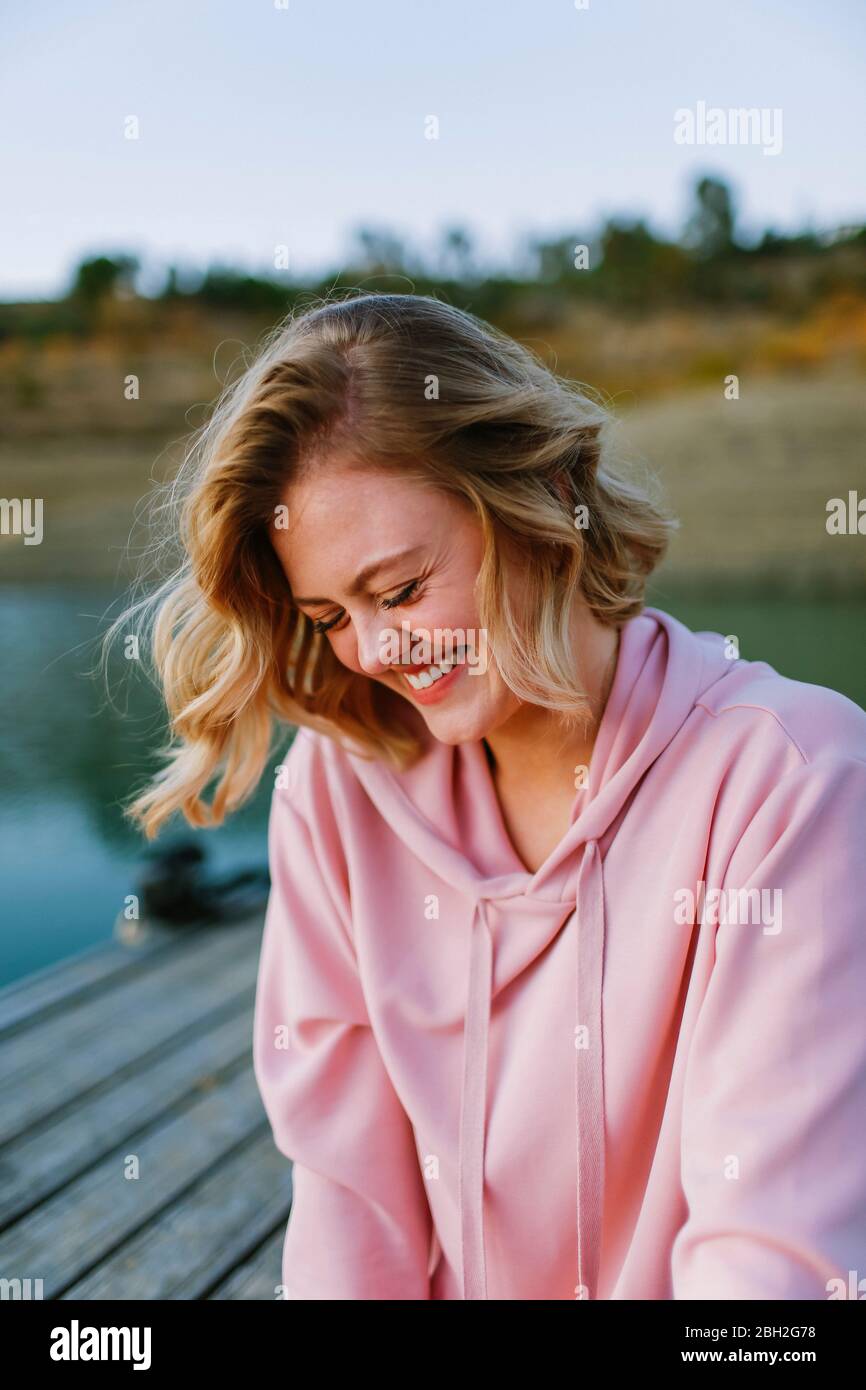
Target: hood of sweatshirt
(662, 670)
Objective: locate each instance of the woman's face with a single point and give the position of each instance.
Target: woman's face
(426, 547)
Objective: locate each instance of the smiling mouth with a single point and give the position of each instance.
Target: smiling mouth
(421, 676)
(423, 679)
(426, 676)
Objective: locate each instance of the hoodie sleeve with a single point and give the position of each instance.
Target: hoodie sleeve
(774, 1107)
(360, 1225)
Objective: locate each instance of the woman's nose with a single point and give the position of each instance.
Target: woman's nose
(371, 636)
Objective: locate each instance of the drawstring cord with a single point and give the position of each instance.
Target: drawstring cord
(474, 1099)
(589, 1079)
(589, 1086)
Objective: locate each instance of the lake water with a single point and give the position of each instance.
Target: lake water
(68, 758)
(67, 761)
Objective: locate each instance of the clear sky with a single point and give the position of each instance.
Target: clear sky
(262, 126)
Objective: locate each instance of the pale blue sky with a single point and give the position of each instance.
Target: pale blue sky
(262, 126)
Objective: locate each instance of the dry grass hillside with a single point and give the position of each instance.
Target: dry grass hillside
(749, 478)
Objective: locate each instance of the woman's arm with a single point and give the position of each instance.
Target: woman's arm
(774, 1111)
(360, 1225)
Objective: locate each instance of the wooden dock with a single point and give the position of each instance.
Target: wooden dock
(136, 1159)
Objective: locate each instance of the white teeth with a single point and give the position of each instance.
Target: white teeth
(423, 679)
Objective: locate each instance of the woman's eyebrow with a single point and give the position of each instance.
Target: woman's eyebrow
(369, 572)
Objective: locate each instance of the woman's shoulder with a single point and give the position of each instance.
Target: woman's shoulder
(306, 801)
(818, 723)
(787, 761)
(303, 772)
(313, 770)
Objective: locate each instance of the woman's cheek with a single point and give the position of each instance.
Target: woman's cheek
(345, 649)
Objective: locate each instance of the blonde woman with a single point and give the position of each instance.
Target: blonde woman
(560, 990)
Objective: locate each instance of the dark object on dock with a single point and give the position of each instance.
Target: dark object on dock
(174, 888)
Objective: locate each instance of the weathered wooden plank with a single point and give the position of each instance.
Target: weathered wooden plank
(74, 1232)
(96, 968)
(195, 1243)
(257, 1278)
(57, 1063)
(146, 976)
(43, 1159)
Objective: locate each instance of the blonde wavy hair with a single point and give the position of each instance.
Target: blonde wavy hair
(395, 382)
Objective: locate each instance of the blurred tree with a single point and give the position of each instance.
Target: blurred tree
(639, 269)
(380, 249)
(182, 281)
(172, 284)
(457, 254)
(555, 259)
(102, 278)
(627, 272)
(774, 244)
(226, 288)
(710, 229)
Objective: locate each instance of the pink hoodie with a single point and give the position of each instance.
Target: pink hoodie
(638, 1073)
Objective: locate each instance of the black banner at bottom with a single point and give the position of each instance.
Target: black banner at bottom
(62, 1337)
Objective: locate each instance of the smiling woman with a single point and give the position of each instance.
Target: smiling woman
(504, 1061)
(388, 454)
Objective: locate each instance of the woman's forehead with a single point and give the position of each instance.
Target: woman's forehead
(334, 536)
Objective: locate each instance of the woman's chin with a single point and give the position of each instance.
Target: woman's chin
(455, 725)
(451, 721)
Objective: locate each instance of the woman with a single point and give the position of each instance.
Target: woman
(560, 990)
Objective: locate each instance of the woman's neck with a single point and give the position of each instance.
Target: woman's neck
(532, 744)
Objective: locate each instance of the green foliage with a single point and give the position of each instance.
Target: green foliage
(99, 279)
(626, 266)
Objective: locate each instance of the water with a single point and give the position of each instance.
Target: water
(68, 759)
(67, 762)
(820, 640)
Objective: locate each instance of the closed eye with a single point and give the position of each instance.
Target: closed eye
(319, 625)
(403, 596)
